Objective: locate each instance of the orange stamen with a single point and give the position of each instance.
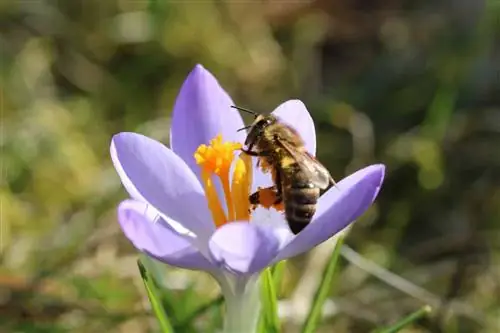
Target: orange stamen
(216, 159)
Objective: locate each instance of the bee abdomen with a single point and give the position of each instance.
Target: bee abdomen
(300, 207)
(303, 196)
(298, 216)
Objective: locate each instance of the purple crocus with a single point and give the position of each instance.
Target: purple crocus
(189, 203)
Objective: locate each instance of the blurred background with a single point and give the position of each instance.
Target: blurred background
(412, 84)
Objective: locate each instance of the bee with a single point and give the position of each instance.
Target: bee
(297, 176)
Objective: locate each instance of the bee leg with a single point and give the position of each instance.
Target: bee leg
(249, 152)
(279, 189)
(271, 198)
(254, 198)
(253, 153)
(254, 201)
(279, 199)
(334, 183)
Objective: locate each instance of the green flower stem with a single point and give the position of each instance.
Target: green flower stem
(242, 305)
(278, 272)
(269, 322)
(324, 290)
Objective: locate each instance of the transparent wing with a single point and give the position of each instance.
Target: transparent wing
(314, 170)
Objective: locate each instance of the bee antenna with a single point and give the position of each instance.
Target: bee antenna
(255, 114)
(244, 128)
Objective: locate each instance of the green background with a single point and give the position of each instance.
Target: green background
(411, 84)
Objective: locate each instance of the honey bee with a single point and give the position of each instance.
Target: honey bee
(298, 177)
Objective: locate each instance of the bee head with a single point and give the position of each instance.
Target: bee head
(258, 128)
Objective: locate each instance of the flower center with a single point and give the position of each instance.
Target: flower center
(215, 161)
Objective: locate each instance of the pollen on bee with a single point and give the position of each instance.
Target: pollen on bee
(287, 161)
(267, 198)
(264, 165)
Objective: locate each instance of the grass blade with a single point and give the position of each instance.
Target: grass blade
(269, 321)
(154, 299)
(278, 272)
(323, 291)
(406, 321)
(203, 309)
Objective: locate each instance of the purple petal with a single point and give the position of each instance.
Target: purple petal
(338, 207)
(260, 179)
(243, 248)
(153, 173)
(201, 112)
(295, 114)
(156, 239)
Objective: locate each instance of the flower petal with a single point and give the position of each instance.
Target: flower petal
(295, 114)
(201, 112)
(153, 173)
(276, 220)
(260, 179)
(156, 239)
(338, 207)
(243, 248)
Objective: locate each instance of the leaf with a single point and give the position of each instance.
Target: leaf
(155, 299)
(168, 299)
(323, 291)
(154, 268)
(205, 308)
(269, 321)
(406, 321)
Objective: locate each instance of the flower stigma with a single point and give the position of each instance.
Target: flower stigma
(216, 159)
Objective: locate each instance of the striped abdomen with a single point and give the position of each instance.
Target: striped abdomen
(300, 198)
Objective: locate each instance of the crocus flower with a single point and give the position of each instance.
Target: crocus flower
(189, 205)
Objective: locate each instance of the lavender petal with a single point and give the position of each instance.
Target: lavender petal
(156, 239)
(243, 248)
(201, 112)
(338, 207)
(295, 114)
(154, 174)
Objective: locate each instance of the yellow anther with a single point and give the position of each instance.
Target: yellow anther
(215, 159)
(214, 205)
(241, 186)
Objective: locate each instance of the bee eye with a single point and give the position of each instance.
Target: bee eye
(264, 123)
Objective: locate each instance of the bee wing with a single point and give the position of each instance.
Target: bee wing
(318, 174)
